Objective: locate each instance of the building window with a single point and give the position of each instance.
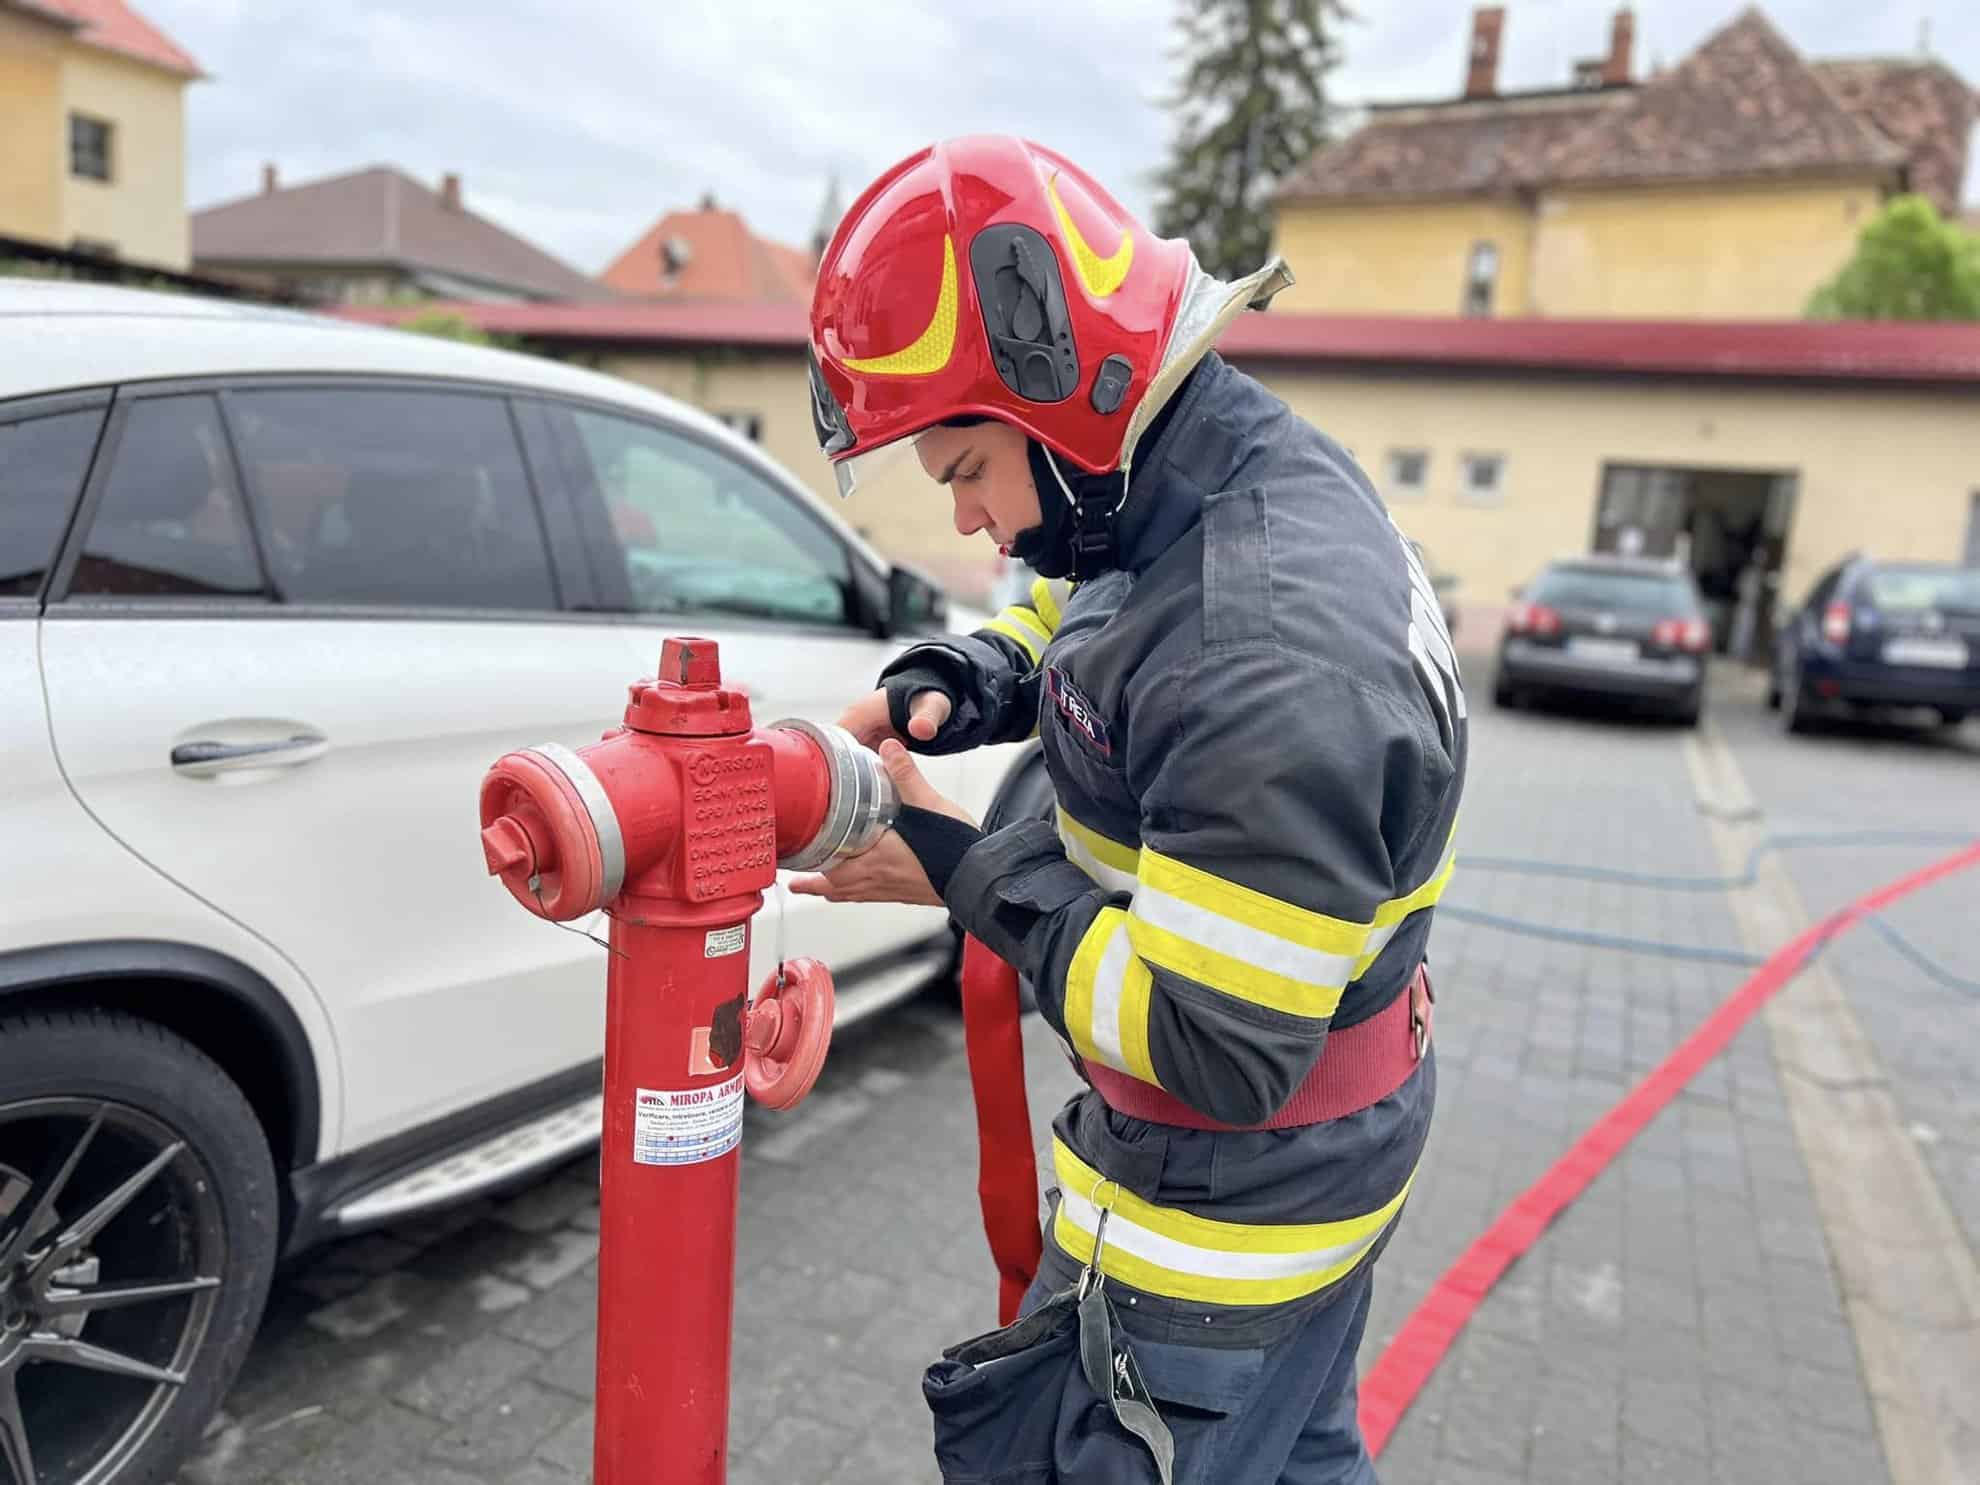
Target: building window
(89, 147)
(1481, 277)
(748, 424)
(1409, 471)
(1484, 479)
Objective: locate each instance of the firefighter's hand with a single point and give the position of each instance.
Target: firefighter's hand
(869, 719)
(890, 872)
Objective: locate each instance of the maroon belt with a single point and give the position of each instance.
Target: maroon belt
(1359, 1065)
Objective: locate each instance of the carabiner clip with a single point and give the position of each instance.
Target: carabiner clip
(1091, 1277)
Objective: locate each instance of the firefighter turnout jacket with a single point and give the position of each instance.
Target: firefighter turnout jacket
(1256, 732)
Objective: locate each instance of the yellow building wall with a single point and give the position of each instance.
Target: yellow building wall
(1748, 251)
(34, 139)
(1888, 472)
(1407, 258)
(142, 207)
(900, 510)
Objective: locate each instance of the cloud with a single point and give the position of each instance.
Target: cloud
(578, 122)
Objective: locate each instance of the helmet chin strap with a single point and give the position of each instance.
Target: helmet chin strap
(1093, 527)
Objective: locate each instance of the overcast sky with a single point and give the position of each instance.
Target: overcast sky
(577, 123)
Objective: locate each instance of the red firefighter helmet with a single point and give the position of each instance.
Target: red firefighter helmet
(988, 276)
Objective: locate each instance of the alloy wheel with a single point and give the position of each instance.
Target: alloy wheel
(112, 1251)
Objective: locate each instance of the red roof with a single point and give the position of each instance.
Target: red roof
(1837, 350)
(1815, 350)
(721, 259)
(114, 26)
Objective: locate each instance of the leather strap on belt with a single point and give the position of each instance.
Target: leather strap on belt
(1359, 1065)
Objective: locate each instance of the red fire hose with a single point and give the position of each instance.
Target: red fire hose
(1007, 1171)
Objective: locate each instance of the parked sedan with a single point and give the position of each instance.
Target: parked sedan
(1874, 635)
(1607, 626)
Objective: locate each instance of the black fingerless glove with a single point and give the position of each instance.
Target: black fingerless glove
(938, 842)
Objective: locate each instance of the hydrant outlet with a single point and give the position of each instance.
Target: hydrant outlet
(861, 803)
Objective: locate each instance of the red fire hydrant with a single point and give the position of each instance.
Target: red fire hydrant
(675, 825)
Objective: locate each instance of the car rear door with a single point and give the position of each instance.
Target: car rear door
(295, 624)
(689, 537)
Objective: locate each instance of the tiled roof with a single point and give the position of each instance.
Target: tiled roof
(114, 26)
(1743, 104)
(1790, 350)
(724, 260)
(1490, 145)
(380, 216)
(1922, 104)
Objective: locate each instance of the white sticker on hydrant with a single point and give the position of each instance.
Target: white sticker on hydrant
(685, 1126)
(721, 941)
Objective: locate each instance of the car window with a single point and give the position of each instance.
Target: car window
(43, 462)
(1619, 592)
(1900, 588)
(390, 497)
(1824, 589)
(169, 522)
(697, 530)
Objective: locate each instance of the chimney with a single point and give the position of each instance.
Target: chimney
(1481, 78)
(1622, 41)
(268, 182)
(450, 191)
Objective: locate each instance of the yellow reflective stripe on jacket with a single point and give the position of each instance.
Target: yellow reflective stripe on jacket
(1231, 938)
(1108, 862)
(1166, 1251)
(1107, 991)
(1389, 916)
(1027, 641)
(1047, 603)
(1314, 993)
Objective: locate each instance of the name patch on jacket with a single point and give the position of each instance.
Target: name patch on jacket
(1080, 713)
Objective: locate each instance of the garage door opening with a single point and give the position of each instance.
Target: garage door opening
(1730, 526)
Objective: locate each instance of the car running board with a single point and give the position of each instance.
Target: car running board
(554, 1137)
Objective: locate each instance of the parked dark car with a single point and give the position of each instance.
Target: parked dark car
(1872, 635)
(1626, 628)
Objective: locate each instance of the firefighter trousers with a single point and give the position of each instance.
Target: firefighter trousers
(1284, 1412)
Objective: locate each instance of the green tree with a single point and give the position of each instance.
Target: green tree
(447, 324)
(1909, 264)
(1251, 106)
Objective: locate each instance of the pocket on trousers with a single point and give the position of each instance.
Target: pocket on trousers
(1199, 1379)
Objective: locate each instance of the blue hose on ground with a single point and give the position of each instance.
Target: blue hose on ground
(1782, 842)
(1701, 953)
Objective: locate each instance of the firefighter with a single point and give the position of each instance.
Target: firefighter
(1255, 729)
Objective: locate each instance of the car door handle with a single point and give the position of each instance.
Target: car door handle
(204, 757)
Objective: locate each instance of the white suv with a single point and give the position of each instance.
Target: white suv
(274, 592)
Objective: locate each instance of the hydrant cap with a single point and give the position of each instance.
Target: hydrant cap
(550, 833)
(687, 698)
(695, 663)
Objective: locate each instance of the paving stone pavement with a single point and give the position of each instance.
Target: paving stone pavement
(1681, 1322)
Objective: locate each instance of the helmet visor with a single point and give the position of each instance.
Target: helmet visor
(828, 419)
(867, 466)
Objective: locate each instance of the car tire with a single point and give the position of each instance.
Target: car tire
(1504, 697)
(1794, 704)
(1773, 691)
(92, 1102)
(1691, 712)
(1952, 716)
